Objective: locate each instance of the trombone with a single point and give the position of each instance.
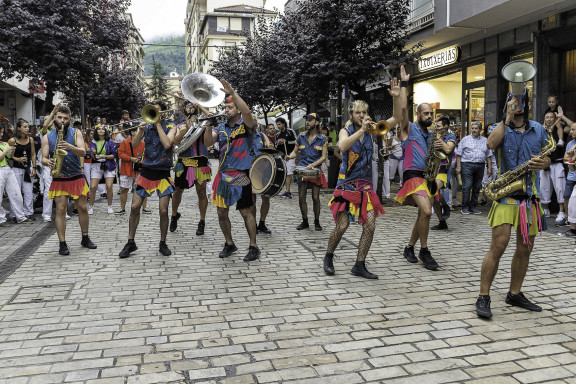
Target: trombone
(149, 114)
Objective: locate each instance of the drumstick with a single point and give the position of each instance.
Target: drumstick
(285, 150)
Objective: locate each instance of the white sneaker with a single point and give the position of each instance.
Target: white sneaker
(560, 217)
(68, 217)
(547, 212)
(110, 210)
(560, 143)
(90, 210)
(46, 219)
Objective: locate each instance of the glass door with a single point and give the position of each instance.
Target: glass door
(475, 106)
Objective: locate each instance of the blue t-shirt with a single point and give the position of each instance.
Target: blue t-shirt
(235, 144)
(415, 148)
(357, 160)
(571, 174)
(310, 152)
(71, 162)
(258, 144)
(447, 138)
(155, 155)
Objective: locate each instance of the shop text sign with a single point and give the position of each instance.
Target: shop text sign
(439, 59)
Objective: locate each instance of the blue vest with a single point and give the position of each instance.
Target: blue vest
(357, 160)
(235, 145)
(415, 148)
(155, 155)
(71, 164)
(309, 153)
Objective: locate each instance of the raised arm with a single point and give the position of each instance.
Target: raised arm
(240, 104)
(404, 120)
(497, 135)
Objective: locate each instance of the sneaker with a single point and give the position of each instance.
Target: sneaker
(560, 143)
(46, 220)
(547, 212)
(303, 225)
(465, 211)
(75, 212)
(120, 212)
(317, 225)
(26, 221)
(359, 269)
(483, 306)
(286, 195)
(427, 259)
(560, 219)
(409, 255)
(262, 228)
(569, 233)
(127, 250)
(68, 217)
(474, 211)
(90, 209)
(200, 230)
(227, 251)
(441, 226)
(87, 243)
(164, 250)
(5, 224)
(445, 212)
(119, 191)
(174, 222)
(110, 210)
(104, 195)
(329, 263)
(146, 211)
(64, 250)
(521, 301)
(562, 223)
(253, 253)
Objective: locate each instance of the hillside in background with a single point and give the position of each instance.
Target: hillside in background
(169, 57)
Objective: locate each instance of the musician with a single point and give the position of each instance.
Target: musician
(45, 178)
(446, 145)
(154, 176)
(416, 190)
(261, 140)
(285, 143)
(354, 194)
(191, 169)
(71, 181)
(517, 140)
(130, 166)
(232, 184)
(314, 151)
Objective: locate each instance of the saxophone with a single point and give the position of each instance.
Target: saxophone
(515, 180)
(434, 157)
(59, 153)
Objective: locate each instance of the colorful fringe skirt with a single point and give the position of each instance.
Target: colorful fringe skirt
(527, 213)
(355, 203)
(73, 186)
(230, 187)
(151, 180)
(320, 180)
(415, 184)
(187, 175)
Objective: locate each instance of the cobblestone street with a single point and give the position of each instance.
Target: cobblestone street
(195, 318)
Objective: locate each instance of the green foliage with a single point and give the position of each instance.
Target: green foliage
(159, 86)
(168, 57)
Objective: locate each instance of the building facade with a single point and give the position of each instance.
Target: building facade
(467, 43)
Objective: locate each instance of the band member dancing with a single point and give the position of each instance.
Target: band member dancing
(416, 190)
(154, 176)
(232, 184)
(518, 141)
(354, 194)
(314, 151)
(191, 169)
(70, 181)
(445, 145)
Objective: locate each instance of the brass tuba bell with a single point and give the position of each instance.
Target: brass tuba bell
(202, 89)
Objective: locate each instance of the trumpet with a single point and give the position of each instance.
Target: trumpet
(149, 114)
(379, 128)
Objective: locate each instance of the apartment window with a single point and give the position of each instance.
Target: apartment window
(235, 24)
(225, 24)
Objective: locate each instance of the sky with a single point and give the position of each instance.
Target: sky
(165, 18)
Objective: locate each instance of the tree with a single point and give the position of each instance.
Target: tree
(66, 43)
(159, 89)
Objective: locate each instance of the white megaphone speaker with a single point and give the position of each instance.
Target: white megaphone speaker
(517, 73)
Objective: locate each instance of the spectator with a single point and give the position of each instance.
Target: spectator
(22, 158)
(130, 165)
(333, 132)
(553, 106)
(271, 133)
(285, 143)
(570, 191)
(103, 165)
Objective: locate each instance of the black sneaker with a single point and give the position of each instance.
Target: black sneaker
(409, 255)
(329, 263)
(465, 211)
(87, 243)
(427, 259)
(317, 225)
(441, 226)
(227, 251)
(104, 195)
(75, 212)
(303, 225)
(253, 253)
(127, 250)
(262, 228)
(521, 301)
(474, 211)
(174, 222)
(483, 306)
(359, 269)
(200, 230)
(164, 250)
(120, 212)
(64, 250)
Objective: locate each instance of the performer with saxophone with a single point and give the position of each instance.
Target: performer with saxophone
(192, 168)
(419, 179)
(354, 194)
(62, 149)
(154, 176)
(231, 184)
(522, 148)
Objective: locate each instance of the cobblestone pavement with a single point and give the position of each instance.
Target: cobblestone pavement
(195, 318)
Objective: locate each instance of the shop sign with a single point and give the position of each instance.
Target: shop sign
(439, 59)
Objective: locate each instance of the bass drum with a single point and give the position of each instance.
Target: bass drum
(268, 175)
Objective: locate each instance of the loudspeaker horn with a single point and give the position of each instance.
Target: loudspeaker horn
(517, 73)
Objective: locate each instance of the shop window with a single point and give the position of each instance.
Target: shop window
(444, 94)
(475, 73)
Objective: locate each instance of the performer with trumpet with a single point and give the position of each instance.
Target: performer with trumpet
(354, 194)
(158, 138)
(62, 149)
(523, 148)
(192, 167)
(231, 184)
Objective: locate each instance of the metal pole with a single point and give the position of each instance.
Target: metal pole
(82, 112)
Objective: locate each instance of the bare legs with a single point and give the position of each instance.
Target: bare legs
(422, 225)
(226, 227)
(61, 208)
(302, 191)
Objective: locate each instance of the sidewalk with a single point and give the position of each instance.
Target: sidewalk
(195, 318)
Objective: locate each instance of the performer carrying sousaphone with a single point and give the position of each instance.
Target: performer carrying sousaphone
(354, 194)
(313, 148)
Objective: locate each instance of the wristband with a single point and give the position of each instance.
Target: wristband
(403, 84)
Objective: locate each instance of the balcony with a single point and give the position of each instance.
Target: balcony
(421, 15)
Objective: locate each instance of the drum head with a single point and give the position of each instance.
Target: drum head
(271, 151)
(262, 173)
